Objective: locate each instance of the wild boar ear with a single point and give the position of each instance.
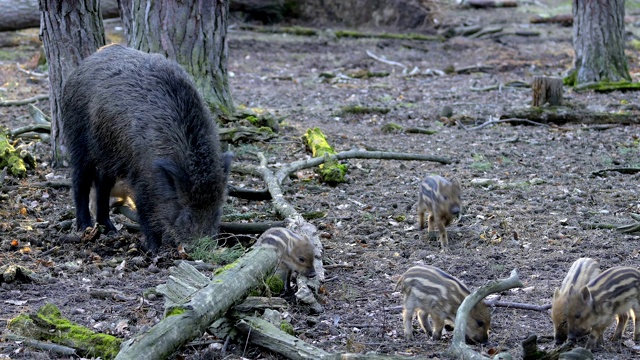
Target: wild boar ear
(168, 176)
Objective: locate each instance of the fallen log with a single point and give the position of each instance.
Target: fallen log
(24, 14)
(265, 334)
(561, 115)
(190, 316)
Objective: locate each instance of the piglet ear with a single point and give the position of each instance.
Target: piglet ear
(456, 183)
(586, 295)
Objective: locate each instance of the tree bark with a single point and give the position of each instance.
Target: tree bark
(70, 31)
(546, 90)
(23, 14)
(598, 41)
(191, 32)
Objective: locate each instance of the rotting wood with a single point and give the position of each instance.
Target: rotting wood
(546, 89)
(267, 335)
(40, 345)
(296, 223)
(482, 4)
(189, 318)
(560, 115)
(530, 350)
(564, 20)
(458, 348)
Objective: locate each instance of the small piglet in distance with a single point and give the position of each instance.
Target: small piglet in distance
(591, 308)
(429, 291)
(581, 272)
(296, 252)
(440, 198)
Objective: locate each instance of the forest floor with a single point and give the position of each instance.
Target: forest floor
(369, 230)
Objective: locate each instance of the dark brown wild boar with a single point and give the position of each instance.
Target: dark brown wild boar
(581, 272)
(296, 252)
(429, 291)
(591, 309)
(440, 198)
(138, 117)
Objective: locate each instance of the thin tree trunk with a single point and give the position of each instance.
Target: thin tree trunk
(70, 31)
(191, 32)
(598, 41)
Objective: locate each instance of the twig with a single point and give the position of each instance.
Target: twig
(40, 128)
(38, 116)
(493, 121)
(355, 154)
(31, 73)
(24, 101)
(41, 345)
(522, 306)
(459, 349)
(383, 60)
(620, 170)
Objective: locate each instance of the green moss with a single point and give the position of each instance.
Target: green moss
(10, 158)
(219, 271)
(332, 171)
(391, 128)
(175, 311)
(62, 331)
(275, 284)
(208, 250)
(357, 109)
(359, 35)
(287, 327)
(400, 218)
(571, 78)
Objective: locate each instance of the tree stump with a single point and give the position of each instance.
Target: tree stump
(547, 90)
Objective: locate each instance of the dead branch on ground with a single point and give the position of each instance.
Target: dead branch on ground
(520, 306)
(459, 349)
(560, 115)
(493, 121)
(24, 101)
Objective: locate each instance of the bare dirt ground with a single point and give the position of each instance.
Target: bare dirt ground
(370, 224)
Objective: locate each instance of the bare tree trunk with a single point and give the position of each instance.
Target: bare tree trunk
(191, 32)
(70, 31)
(598, 41)
(23, 14)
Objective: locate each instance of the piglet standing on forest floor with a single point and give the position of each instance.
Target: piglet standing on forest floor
(139, 118)
(295, 252)
(440, 198)
(429, 291)
(581, 272)
(591, 309)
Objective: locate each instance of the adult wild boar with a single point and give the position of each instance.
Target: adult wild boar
(138, 117)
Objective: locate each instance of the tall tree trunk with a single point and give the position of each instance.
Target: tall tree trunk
(191, 32)
(70, 30)
(598, 41)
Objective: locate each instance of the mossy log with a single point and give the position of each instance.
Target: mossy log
(48, 324)
(560, 115)
(332, 172)
(189, 317)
